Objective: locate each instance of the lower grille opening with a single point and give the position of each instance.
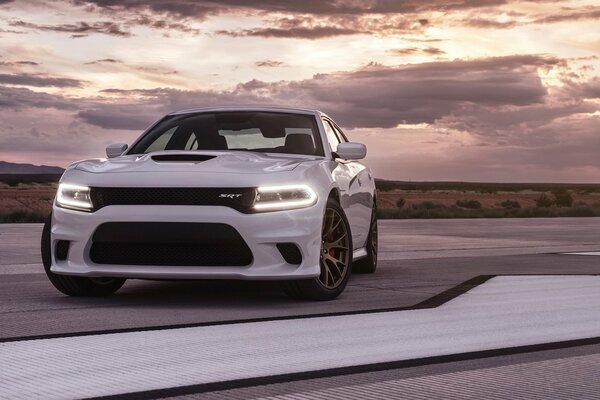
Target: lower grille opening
(61, 251)
(290, 253)
(167, 243)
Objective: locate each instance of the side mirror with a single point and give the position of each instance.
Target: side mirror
(351, 151)
(115, 150)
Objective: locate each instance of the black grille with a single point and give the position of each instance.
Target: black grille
(290, 253)
(169, 243)
(62, 250)
(240, 199)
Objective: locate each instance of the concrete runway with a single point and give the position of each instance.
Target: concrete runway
(419, 259)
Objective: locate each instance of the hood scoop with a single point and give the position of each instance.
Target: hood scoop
(195, 158)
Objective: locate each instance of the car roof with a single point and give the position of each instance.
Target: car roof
(294, 110)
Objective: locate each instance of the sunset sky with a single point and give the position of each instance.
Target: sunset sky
(490, 90)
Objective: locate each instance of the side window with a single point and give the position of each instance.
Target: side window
(332, 138)
(339, 133)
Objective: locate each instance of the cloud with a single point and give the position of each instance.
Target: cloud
(318, 27)
(16, 98)
(269, 63)
(289, 19)
(374, 96)
(18, 63)
(155, 70)
(113, 116)
(39, 80)
(485, 23)
(316, 32)
(570, 15)
(78, 29)
(565, 15)
(301, 27)
(380, 96)
(408, 51)
(203, 9)
(105, 61)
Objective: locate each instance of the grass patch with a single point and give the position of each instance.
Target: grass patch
(486, 187)
(441, 211)
(21, 216)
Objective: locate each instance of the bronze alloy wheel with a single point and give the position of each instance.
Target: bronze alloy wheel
(335, 254)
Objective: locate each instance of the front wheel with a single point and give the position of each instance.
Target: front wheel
(335, 259)
(75, 285)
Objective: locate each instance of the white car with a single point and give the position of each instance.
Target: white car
(267, 193)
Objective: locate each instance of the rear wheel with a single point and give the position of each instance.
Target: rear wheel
(368, 264)
(335, 259)
(75, 285)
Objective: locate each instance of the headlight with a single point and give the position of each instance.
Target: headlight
(275, 198)
(75, 197)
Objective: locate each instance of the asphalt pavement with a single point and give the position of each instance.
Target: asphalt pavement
(517, 267)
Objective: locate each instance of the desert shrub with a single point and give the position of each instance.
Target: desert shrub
(579, 211)
(401, 202)
(468, 203)
(544, 201)
(510, 204)
(562, 198)
(427, 205)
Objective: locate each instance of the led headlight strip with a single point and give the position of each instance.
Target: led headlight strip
(276, 198)
(75, 197)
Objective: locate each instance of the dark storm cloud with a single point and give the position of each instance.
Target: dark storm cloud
(475, 96)
(16, 98)
(39, 80)
(421, 93)
(77, 29)
(374, 96)
(118, 117)
(202, 9)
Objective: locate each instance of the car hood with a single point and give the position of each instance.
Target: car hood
(213, 162)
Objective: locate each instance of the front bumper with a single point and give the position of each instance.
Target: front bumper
(261, 232)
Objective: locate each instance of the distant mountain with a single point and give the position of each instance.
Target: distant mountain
(15, 168)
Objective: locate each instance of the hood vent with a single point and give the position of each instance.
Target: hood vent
(181, 157)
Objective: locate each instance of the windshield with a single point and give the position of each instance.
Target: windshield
(269, 132)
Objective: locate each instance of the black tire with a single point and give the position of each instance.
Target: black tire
(317, 289)
(368, 264)
(75, 285)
